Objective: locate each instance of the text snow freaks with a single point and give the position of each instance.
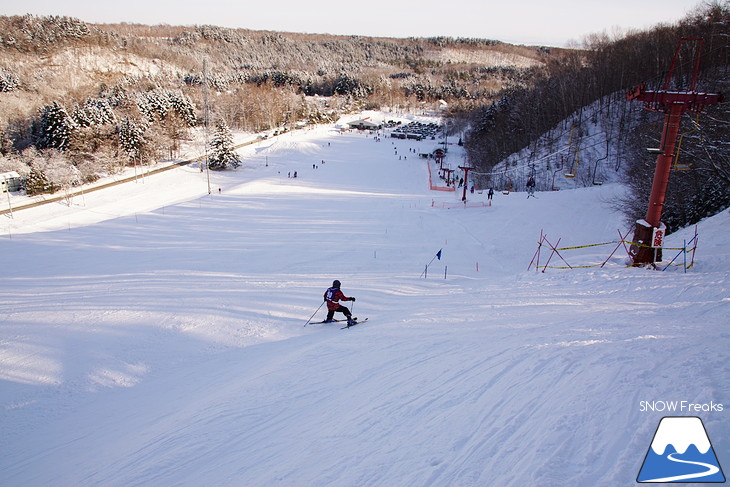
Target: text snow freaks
(680, 407)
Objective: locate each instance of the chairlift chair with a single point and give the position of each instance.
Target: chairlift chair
(574, 166)
(509, 187)
(595, 168)
(677, 165)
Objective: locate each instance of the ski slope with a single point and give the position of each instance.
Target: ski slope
(152, 334)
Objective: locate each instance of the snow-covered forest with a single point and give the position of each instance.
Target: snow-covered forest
(81, 101)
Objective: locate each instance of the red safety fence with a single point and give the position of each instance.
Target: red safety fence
(430, 181)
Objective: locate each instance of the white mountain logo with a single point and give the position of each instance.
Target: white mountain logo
(681, 452)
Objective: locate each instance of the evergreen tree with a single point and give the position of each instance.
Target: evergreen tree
(183, 107)
(348, 85)
(157, 104)
(131, 138)
(56, 127)
(94, 111)
(8, 81)
(222, 150)
(38, 183)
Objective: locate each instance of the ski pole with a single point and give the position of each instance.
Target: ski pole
(310, 318)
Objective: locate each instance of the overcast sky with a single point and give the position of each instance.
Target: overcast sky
(552, 22)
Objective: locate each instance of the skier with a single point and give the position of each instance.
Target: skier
(332, 296)
(490, 194)
(531, 187)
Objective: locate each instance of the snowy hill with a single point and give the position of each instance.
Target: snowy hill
(153, 335)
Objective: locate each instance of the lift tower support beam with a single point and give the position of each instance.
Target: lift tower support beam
(649, 232)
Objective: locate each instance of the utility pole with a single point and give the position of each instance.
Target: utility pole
(205, 119)
(649, 233)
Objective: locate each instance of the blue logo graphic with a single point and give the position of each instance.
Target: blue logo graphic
(681, 452)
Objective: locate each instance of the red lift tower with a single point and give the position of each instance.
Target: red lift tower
(649, 233)
(466, 180)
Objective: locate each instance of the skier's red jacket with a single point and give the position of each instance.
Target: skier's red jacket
(332, 296)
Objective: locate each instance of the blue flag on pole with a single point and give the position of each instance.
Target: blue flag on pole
(438, 254)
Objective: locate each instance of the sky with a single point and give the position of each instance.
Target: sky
(553, 23)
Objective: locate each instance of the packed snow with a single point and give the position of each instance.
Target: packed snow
(152, 334)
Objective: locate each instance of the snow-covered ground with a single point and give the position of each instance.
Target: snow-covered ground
(152, 334)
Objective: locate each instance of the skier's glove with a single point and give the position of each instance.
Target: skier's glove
(353, 299)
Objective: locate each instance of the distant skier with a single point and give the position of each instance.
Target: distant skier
(490, 194)
(531, 187)
(332, 296)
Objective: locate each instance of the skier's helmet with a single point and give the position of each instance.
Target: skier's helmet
(336, 283)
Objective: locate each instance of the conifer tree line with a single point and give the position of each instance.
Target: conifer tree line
(104, 132)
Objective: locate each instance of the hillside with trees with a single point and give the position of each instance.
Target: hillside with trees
(102, 96)
(578, 102)
(79, 101)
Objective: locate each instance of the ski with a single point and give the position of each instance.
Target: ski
(356, 323)
(324, 322)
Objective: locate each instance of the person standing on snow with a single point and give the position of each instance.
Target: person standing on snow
(332, 296)
(531, 187)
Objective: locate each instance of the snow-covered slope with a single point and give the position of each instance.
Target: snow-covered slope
(153, 335)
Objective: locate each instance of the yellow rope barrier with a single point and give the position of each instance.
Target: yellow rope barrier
(556, 250)
(617, 242)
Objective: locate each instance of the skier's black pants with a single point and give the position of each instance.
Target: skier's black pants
(341, 309)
